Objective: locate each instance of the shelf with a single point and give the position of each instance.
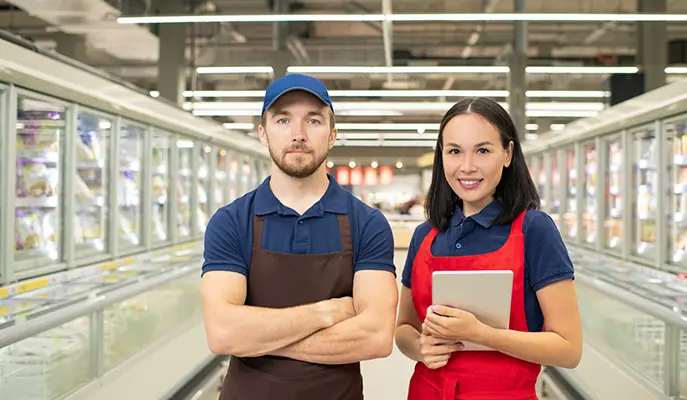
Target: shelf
(36, 202)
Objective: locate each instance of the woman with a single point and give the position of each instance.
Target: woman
(482, 214)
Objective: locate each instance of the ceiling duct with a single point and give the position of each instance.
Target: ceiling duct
(95, 20)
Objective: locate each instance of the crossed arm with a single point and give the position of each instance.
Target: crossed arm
(321, 332)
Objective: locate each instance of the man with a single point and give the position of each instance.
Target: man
(298, 280)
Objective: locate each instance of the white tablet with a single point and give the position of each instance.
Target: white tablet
(486, 294)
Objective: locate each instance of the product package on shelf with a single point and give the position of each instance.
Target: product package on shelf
(46, 366)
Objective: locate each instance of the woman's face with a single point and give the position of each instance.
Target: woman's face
(474, 159)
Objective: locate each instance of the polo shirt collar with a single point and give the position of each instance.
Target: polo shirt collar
(333, 201)
(485, 217)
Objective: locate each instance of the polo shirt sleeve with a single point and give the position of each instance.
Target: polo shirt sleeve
(546, 256)
(223, 246)
(418, 237)
(376, 250)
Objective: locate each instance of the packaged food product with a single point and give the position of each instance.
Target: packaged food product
(27, 231)
(35, 179)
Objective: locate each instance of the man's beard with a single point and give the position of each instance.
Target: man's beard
(298, 168)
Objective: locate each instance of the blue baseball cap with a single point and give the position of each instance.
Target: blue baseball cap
(293, 82)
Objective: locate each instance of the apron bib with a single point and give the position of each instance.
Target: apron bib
(475, 375)
(281, 280)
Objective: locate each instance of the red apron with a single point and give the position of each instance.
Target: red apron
(475, 375)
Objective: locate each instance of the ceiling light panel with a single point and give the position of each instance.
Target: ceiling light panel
(463, 17)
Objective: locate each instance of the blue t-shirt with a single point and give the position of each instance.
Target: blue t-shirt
(229, 234)
(546, 258)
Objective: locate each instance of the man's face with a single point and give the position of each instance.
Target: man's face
(297, 133)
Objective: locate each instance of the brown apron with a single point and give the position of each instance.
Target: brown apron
(280, 280)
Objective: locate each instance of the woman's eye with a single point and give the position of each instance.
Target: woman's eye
(453, 151)
(483, 151)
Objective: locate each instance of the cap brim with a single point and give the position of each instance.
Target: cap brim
(271, 103)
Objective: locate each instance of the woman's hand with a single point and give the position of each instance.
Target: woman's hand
(435, 352)
(451, 324)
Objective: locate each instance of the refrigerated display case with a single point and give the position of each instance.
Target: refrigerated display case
(676, 132)
(589, 181)
(234, 182)
(88, 175)
(613, 210)
(161, 143)
(221, 190)
(39, 165)
(91, 183)
(570, 211)
(555, 189)
(203, 187)
(129, 193)
(645, 188)
(185, 150)
(541, 180)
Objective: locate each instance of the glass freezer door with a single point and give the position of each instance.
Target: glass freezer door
(162, 152)
(589, 212)
(221, 179)
(613, 224)
(570, 211)
(203, 188)
(233, 176)
(129, 191)
(40, 131)
(555, 189)
(541, 180)
(91, 183)
(185, 148)
(677, 220)
(645, 188)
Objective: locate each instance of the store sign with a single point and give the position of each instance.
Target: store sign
(357, 176)
(386, 175)
(370, 176)
(343, 176)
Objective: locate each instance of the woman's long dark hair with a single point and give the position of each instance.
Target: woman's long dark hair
(516, 190)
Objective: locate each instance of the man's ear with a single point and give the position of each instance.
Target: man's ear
(262, 134)
(332, 138)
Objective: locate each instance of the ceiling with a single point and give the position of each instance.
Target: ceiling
(130, 52)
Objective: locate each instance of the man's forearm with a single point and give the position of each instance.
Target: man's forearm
(362, 337)
(246, 331)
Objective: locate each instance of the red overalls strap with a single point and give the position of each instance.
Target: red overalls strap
(475, 375)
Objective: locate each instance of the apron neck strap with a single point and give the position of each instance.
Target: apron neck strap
(258, 224)
(345, 232)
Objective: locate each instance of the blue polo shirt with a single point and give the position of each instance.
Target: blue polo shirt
(546, 258)
(229, 234)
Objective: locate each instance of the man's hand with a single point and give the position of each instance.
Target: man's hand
(434, 352)
(337, 310)
(367, 335)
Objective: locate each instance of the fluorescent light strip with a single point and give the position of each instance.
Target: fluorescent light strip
(387, 127)
(373, 135)
(399, 70)
(466, 17)
(487, 69)
(248, 69)
(529, 113)
(386, 143)
(238, 125)
(395, 106)
(580, 70)
(591, 94)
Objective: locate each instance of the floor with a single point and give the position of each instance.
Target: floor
(387, 379)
